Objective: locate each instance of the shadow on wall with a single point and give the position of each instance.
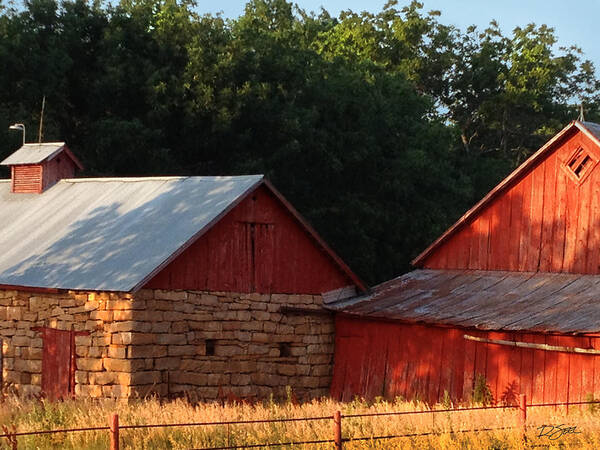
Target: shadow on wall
(421, 361)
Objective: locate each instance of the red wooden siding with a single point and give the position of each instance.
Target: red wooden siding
(35, 178)
(257, 247)
(27, 178)
(547, 221)
(375, 358)
(56, 169)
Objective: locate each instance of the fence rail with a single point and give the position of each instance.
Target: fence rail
(114, 428)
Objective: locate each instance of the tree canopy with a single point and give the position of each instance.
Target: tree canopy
(381, 128)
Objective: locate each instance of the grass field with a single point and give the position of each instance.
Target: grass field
(38, 415)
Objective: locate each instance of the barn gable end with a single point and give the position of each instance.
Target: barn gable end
(259, 246)
(544, 217)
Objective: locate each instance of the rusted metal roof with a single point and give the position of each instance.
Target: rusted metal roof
(486, 300)
(108, 233)
(591, 129)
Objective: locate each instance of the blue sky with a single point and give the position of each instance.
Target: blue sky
(574, 24)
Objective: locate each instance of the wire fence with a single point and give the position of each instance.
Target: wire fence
(115, 428)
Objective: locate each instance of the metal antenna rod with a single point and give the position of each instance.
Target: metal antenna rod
(41, 120)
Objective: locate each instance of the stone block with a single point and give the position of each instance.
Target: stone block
(168, 363)
(86, 390)
(106, 316)
(168, 338)
(81, 377)
(146, 351)
(180, 327)
(21, 341)
(170, 295)
(160, 327)
(117, 351)
(130, 325)
(183, 350)
(83, 340)
(102, 378)
(28, 365)
(146, 377)
(123, 365)
(191, 378)
(132, 338)
(228, 350)
(261, 315)
(255, 349)
(286, 369)
(14, 313)
(238, 379)
(89, 364)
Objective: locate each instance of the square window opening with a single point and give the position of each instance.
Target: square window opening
(285, 349)
(210, 347)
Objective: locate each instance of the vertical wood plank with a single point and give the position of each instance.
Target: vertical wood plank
(537, 208)
(525, 235)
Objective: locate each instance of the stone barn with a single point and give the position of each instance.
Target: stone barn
(124, 287)
(505, 302)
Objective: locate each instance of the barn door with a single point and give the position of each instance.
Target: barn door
(58, 363)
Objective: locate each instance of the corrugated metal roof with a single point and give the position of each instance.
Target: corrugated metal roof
(33, 153)
(108, 233)
(487, 300)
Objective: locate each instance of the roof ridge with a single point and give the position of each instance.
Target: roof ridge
(156, 178)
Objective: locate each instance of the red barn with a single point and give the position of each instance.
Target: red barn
(120, 287)
(507, 295)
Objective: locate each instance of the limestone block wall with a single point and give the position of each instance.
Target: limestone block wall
(203, 344)
(245, 345)
(21, 311)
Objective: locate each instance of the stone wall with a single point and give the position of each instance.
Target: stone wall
(203, 344)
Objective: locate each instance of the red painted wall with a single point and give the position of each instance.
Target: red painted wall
(57, 169)
(376, 358)
(26, 179)
(36, 178)
(257, 247)
(546, 221)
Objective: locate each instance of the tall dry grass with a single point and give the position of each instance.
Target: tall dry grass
(32, 415)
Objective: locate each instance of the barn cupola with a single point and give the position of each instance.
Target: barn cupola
(36, 167)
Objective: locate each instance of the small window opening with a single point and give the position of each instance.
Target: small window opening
(580, 164)
(210, 347)
(285, 350)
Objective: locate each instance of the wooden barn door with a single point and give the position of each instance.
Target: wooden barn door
(58, 363)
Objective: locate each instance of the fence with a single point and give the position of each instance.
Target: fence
(115, 429)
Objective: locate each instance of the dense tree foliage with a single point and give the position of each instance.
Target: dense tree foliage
(381, 128)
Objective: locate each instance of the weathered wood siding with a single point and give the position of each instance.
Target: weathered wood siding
(376, 358)
(257, 247)
(547, 221)
(58, 168)
(27, 179)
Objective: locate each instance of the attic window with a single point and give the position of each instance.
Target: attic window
(580, 164)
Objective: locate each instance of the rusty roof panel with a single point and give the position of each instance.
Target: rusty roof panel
(486, 300)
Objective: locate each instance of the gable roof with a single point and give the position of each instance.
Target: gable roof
(486, 300)
(37, 153)
(590, 129)
(113, 234)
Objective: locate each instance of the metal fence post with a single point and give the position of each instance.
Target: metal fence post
(114, 432)
(523, 411)
(337, 430)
